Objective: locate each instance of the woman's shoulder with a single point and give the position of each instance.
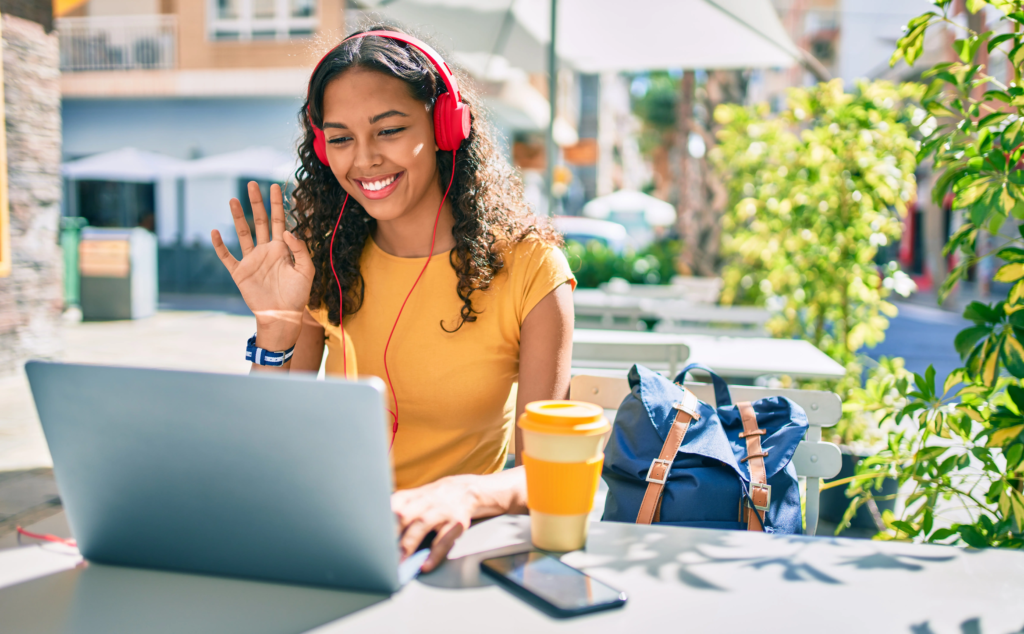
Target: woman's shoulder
(531, 247)
(535, 267)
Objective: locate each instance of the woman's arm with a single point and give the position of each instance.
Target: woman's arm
(309, 349)
(274, 276)
(545, 354)
(450, 504)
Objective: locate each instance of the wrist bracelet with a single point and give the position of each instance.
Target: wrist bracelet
(259, 356)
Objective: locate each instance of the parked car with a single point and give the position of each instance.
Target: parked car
(583, 230)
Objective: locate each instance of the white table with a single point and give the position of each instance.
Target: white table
(731, 357)
(611, 310)
(607, 310)
(678, 580)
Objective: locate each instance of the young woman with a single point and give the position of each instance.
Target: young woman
(452, 292)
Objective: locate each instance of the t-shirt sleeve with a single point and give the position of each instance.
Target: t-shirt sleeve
(540, 269)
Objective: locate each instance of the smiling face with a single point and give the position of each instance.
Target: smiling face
(380, 143)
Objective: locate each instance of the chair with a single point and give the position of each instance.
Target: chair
(813, 459)
(619, 350)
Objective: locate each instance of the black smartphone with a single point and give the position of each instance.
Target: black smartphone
(560, 588)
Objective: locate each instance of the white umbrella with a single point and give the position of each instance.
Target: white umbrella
(656, 213)
(255, 162)
(125, 165)
(607, 35)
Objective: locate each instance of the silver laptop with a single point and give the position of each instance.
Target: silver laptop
(283, 478)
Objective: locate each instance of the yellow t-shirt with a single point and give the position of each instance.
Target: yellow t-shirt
(454, 406)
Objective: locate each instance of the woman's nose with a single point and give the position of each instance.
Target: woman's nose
(367, 155)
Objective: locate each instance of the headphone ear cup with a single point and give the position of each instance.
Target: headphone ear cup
(451, 123)
(442, 108)
(320, 144)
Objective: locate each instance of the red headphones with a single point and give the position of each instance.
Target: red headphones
(451, 128)
(451, 116)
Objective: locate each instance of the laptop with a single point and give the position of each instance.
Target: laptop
(275, 477)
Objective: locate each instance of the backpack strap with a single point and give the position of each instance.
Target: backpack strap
(760, 490)
(657, 475)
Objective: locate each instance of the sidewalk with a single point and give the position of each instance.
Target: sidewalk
(206, 340)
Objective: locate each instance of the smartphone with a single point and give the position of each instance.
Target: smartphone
(556, 587)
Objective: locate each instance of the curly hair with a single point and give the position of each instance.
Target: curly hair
(486, 195)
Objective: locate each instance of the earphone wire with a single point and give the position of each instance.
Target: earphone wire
(341, 297)
(430, 255)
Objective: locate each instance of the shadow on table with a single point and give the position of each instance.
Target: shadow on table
(101, 598)
(690, 556)
(695, 551)
(970, 626)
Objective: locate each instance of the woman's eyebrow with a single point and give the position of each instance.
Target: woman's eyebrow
(373, 119)
(384, 115)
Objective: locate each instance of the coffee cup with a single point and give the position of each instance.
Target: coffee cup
(563, 452)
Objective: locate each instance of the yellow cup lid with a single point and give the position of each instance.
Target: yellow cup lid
(571, 418)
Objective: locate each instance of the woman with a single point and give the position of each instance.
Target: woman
(451, 290)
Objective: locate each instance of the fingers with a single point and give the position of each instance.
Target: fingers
(225, 256)
(303, 261)
(241, 226)
(276, 212)
(259, 213)
(443, 543)
(412, 536)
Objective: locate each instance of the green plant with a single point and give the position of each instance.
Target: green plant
(815, 192)
(958, 450)
(593, 263)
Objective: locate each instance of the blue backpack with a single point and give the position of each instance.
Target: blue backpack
(675, 460)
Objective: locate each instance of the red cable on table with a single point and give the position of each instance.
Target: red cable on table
(46, 538)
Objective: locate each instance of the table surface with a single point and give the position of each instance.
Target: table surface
(677, 579)
(730, 356)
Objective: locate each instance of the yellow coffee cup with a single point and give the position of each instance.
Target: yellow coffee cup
(563, 452)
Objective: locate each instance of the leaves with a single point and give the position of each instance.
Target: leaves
(981, 313)
(999, 39)
(966, 49)
(1010, 272)
(1013, 135)
(977, 149)
(1013, 356)
(1003, 436)
(967, 339)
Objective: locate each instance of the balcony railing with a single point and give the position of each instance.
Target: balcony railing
(118, 43)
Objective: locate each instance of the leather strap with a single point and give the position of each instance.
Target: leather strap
(760, 492)
(657, 475)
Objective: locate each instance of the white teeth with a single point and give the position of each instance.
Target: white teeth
(378, 185)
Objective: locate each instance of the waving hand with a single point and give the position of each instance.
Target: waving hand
(275, 273)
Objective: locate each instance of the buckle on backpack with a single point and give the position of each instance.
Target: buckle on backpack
(767, 488)
(668, 467)
(689, 404)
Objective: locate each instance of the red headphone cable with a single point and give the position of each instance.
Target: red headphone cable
(430, 255)
(46, 538)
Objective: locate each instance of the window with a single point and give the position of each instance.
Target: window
(261, 19)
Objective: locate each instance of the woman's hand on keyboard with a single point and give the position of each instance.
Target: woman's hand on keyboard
(445, 507)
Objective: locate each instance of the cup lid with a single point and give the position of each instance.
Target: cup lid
(574, 418)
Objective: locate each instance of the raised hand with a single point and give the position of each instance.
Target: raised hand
(274, 275)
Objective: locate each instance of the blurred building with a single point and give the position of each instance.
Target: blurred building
(186, 79)
(852, 39)
(31, 267)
